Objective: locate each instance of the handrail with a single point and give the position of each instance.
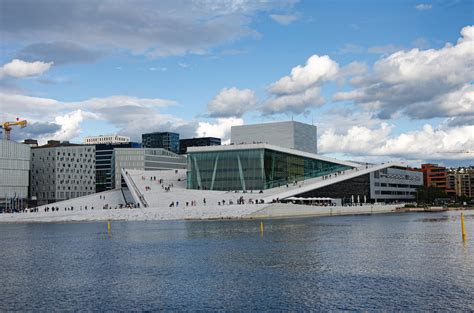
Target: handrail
(139, 195)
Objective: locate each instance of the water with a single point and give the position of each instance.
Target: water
(403, 262)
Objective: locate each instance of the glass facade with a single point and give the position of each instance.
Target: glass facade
(252, 169)
(164, 140)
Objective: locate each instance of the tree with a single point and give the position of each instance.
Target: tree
(429, 194)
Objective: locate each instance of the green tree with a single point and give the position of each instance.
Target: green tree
(429, 194)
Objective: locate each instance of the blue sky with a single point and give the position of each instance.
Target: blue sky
(376, 77)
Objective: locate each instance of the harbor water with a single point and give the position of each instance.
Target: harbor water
(403, 261)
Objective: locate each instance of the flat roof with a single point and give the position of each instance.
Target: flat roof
(235, 147)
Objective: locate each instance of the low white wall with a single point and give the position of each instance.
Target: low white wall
(289, 209)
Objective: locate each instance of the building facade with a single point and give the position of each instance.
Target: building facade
(163, 140)
(291, 134)
(61, 172)
(107, 139)
(461, 181)
(104, 164)
(145, 159)
(434, 176)
(254, 167)
(14, 174)
(386, 185)
(197, 142)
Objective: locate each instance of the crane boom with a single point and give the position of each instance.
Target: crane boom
(7, 127)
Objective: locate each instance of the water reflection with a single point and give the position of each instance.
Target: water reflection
(378, 262)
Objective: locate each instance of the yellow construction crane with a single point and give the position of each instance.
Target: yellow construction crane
(7, 127)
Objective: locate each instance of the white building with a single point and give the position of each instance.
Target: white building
(14, 171)
(61, 172)
(290, 134)
(145, 159)
(107, 139)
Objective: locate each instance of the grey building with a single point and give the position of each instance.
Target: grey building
(163, 140)
(290, 134)
(62, 171)
(14, 171)
(145, 159)
(184, 144)
(104, 164)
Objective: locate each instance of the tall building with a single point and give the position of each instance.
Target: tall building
(434, 176)
(461, 181)
(163, 140)
(107, 139)
(61, 171)
(104, 164)
(184, 144)
(145, 159)
(291, 134)
(14, 171)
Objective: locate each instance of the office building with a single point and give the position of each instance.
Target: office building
(197, 142)
(61, 171)
(14, 171)
(104, 164)
(145, 159)
(163, 140)
(107, 139)
(290, 134)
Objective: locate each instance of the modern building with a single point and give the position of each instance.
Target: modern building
(107, 139)
(104, 164)
(197, 142)
(163, 140)
(434, 176)
(61, 171)
(145, 159)
(290, 134)
(392, 183)
(14, 172)
(254, 167)
(461, 181)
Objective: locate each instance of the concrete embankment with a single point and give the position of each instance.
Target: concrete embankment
(295, 210)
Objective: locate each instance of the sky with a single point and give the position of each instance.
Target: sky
(381, 80)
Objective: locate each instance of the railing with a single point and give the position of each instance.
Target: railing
(139, 195)
(308, 175)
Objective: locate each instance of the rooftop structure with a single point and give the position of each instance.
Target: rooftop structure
(163, 140)
(107, 139)
(290, 134)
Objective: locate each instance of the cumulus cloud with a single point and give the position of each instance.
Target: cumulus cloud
(300, 90)
(131, 116)
(318, 69)
(423, 7)
(153, 28)
(284, 19)
(232, 102)
(419, 83)
(20, 69)
(219, 129)
(427, 143)
(297, 103)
